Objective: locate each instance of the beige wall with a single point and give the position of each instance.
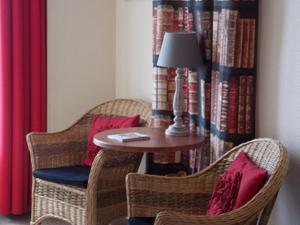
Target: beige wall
(133, 49)
(110, 45)
(278, 108)
(81, 58)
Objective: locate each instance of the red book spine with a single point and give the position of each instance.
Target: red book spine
(187, 17)
(224, 106)
(242, 104)
(233, 105)
(216, 96)
(190, 22)
(206, 31)
(154, 26)
(216, 106)
(202, 102)
(207, 100)
(213, 94)
(176, 20)
(219, 102)
(239, 44)
(232, 28)
(246, 36)
(192, 93)
(224, 45)
(180, 18)
(249, 105)
(213, 148)
(220, 35)
(215, 35)
(251, 43)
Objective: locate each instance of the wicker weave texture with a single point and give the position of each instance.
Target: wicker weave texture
(183, 200)
(104, 199)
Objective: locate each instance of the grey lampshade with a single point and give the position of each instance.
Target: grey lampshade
(180, 49)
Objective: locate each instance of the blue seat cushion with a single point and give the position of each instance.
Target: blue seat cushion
(73, 175)
(141, 220)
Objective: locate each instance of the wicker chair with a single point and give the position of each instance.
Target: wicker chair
(104, 199)
(183, 200)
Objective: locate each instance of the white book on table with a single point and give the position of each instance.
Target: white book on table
(126, 137)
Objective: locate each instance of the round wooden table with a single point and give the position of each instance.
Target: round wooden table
(158, 142)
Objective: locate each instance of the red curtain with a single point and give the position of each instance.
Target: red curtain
(22, 96)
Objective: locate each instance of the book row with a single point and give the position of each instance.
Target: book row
(233, 39)
(167, 18)
(232, 104)
(164, 88)
(228, 39)
(229, 105)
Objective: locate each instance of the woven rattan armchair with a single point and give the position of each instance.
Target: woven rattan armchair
(183, 200)
(104, 199)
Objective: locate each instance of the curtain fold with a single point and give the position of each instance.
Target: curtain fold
(22, 96)
(219, 96)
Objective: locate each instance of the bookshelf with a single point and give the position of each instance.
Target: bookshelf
(220, 97)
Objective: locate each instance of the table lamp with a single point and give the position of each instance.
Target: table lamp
(180, 50)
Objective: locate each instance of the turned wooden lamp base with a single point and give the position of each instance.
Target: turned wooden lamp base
(177, 131)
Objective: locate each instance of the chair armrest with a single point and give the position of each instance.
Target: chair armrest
(106, 186)
(171, 218)
(147, 194)
(64, 148)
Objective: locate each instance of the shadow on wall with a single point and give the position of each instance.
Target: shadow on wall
(278, 110)
(289, 200)
(268, 64)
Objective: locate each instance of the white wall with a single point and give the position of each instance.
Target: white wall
(278, 109)
(134, 49)
(81, 58)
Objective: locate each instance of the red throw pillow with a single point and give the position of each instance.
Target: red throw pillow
(253, 178)
(224, 194)
(242, 176)
(101, 123)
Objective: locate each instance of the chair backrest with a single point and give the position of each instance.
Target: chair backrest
(116, 107)
(124, 107)
(268, 154)
(78, 132)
